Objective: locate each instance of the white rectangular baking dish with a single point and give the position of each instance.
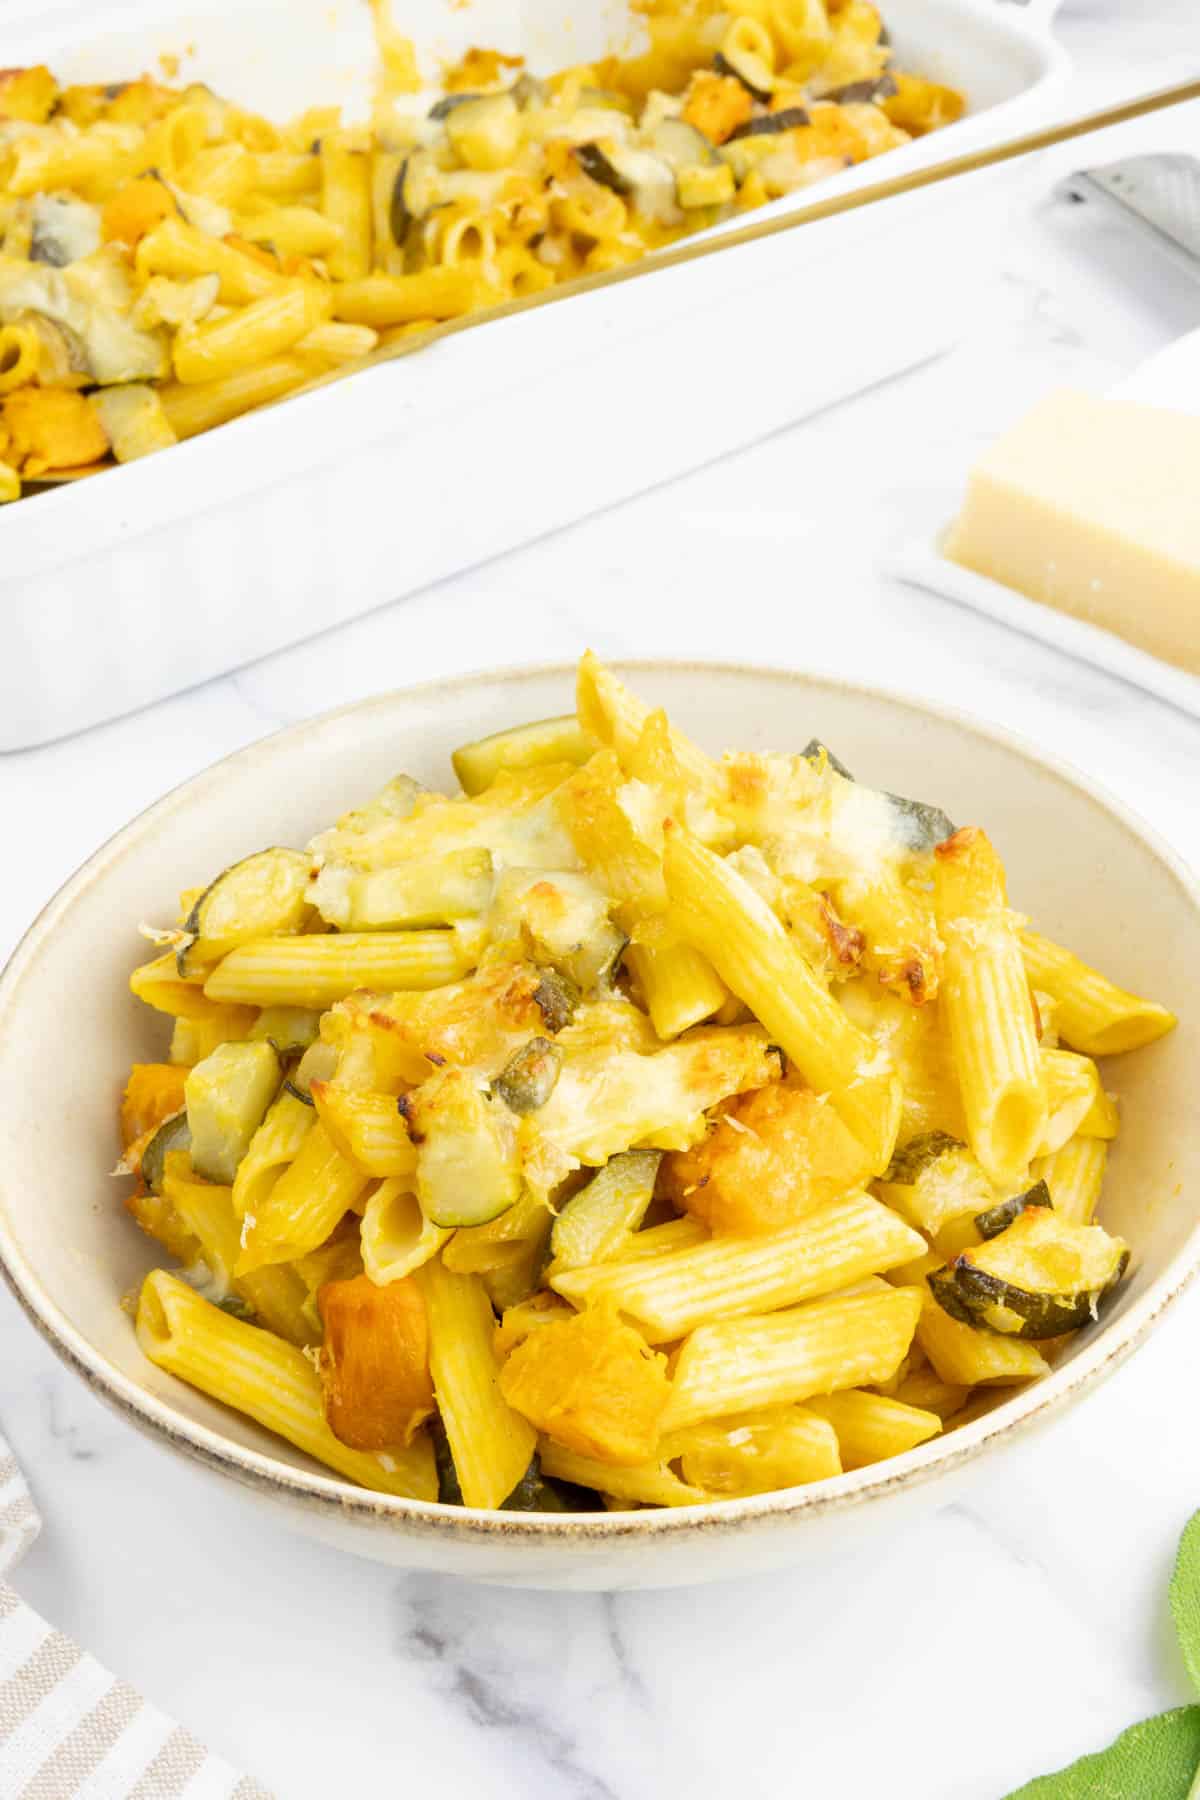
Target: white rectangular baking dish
(131, 585)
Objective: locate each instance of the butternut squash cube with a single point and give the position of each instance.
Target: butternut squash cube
(135, 209)
(53, 428)
(774, 1156)
(375, 1361)
(592, 1384)
(153, 1092)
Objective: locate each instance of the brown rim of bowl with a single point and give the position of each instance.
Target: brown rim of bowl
(1029, 1407)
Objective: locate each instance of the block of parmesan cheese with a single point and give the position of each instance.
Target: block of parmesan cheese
(1092, 506)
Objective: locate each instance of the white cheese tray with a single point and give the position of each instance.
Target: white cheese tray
(1170, 379)
(120, 589)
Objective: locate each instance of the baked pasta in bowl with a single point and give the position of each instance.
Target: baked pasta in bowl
(640, 1145)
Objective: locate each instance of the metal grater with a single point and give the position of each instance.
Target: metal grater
(1159, 193)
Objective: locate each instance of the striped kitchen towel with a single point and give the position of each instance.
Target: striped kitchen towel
(68, 1729)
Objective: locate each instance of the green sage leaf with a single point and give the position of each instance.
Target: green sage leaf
(1185, 1597)
(1159, 1758)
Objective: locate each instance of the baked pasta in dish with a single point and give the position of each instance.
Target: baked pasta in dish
(169, 260)
(631, 1128)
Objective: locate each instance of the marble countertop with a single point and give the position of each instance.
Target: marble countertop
(320, 1673)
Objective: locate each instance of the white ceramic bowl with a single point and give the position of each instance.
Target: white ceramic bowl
(1081, 865)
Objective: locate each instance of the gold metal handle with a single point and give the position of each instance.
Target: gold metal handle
(771, 226)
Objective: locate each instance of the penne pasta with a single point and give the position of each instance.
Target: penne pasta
(742, 1365)
(1074, 1175)
(718, 912)
(989, 1012)
(276, 1296)
(1093, 1014)
(274, 1383)
(491, 1444)
(755, 1453)
(672, 1294)
(872, 1427)
(317, 971)
(965, 1356)
(299, 1211)
(649, 1484)
(396, 1236)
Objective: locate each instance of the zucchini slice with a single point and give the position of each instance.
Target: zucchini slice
(996, 1219)
(940, 1183)
(599, 167)
(1040, 1277)
(605, 100)
(646, 179)
(597, 1222)
(416, 191)
(527, 1079)
(788, 118)
(265, 895)
(441, 109)
(173, 1134)
(683, 146)
(882, 87)
(812, 752)
(918, 825)
(529, 92)
(527, 747)
(407, 895)
(468, 1172)
(909, 1161)
(485, 131)
(227, 1098)
(915, 824)
(536, 1492)
(290, 1028)
(748, 68)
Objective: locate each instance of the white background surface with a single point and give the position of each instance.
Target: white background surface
(989, 1642)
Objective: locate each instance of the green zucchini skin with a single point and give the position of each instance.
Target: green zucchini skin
(441, 109)
(918, 825)
(528, 1078)
(882, 88)
(1042, 1315)
(449, 1492)
(942, 1286)
(173, 1134)
(996, 1219)
(789, 118)
(537, 1493)
(595, 164)
(918, 1153)
(185, 957)
(812, 751)
(723, 65)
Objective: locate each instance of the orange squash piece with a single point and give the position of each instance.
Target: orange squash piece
(153, 1092)
(375, 1362)
(135, 209)
(774, 1156)
(52, 428)
(27, 94)
(592, 1384)
(717, 105)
